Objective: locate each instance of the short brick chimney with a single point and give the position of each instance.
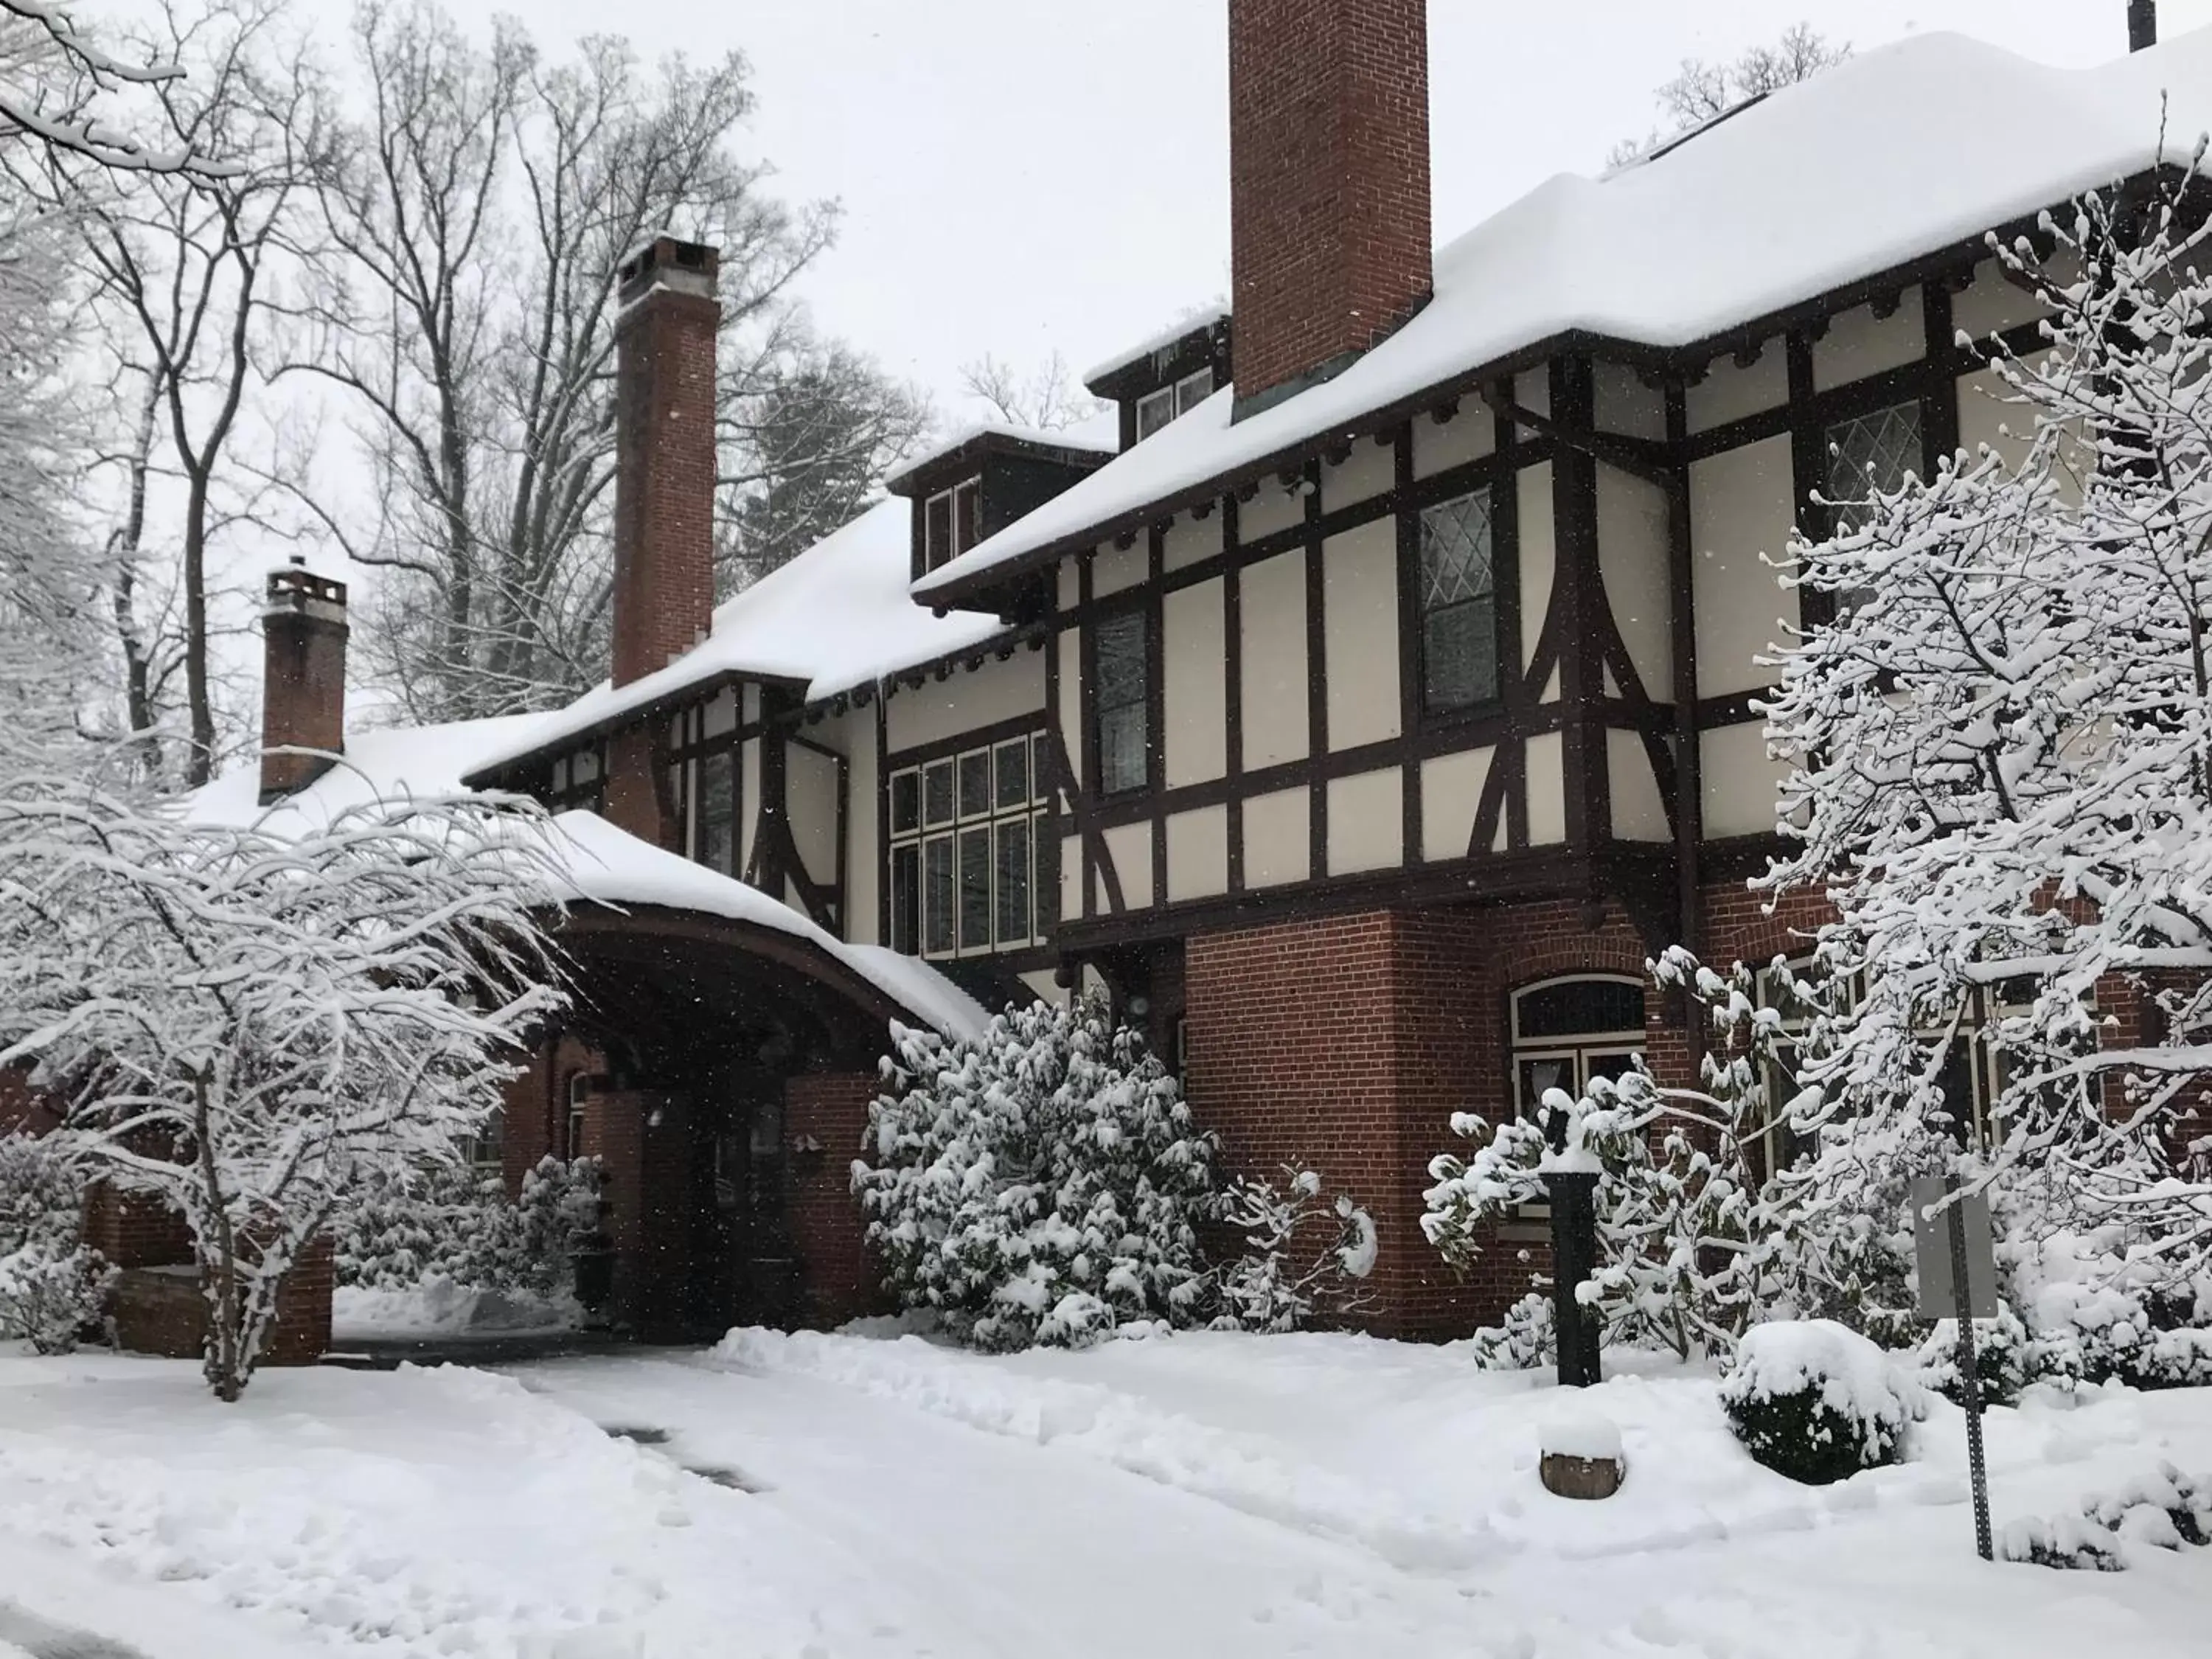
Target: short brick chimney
(303, 630)
(664, 590)
(2143, 25)
(1329, 164)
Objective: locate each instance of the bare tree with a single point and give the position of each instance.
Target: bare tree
(52, 74)
(1045, 400)
(1702, 92)
(190, 271)
(489, 203)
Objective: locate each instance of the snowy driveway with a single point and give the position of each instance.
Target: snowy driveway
(1214, 1496)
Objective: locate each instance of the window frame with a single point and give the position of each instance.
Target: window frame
(914, 927)
(1576, 1047)
(689, 747)
(574, 1117)
(1419, 611)
(960, 534)
(1141, 616)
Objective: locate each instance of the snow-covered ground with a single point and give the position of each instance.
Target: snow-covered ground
(1201, 1495)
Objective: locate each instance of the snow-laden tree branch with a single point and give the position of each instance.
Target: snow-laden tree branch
(2002, 751)
(244, 1025)
(52, 72)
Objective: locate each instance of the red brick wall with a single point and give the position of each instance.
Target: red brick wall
(1329, 216)
(301, 1334)
(664, 594)
(21, 1108)
(133, 1230)
(839, 1280)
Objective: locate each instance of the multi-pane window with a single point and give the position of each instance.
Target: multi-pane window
(952, 523)
(1868, 455)
(703, 785)
(1122, 702)
(1566, 1031)
(1155, 409)
(963, 845)
(577, 782)
(1458, 605)
(579, 1101)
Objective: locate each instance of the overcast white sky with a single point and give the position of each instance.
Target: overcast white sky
(1022, 176)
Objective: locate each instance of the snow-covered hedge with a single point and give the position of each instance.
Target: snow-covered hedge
(457, 1226)
(53, 1286)
(1045, 1184)
(1817, 1401)
(2165, 1509)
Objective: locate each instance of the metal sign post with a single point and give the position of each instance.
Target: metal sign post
(1958, 1280)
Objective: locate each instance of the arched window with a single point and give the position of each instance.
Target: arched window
(1568, 1031)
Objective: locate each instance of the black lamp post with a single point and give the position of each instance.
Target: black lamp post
(1573, 1194)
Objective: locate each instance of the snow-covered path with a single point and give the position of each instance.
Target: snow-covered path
(812, 1498)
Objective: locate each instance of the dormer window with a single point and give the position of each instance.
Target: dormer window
(951, 519)
(1157, 408)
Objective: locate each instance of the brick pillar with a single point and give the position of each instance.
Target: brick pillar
(663, 587)
(824, 1117)
(303, 626)
(1329, 210)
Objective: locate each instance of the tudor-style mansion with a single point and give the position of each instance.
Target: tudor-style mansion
(1360, 706)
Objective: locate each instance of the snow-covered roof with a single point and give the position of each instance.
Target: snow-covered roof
(1885, 159)
(836, 617)
(601, 863)
(1205, 316)
(1098, 435)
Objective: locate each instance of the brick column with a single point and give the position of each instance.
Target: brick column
(838, 1279)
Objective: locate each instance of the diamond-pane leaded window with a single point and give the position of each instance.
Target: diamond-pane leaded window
(1458, 605)
(1869, 455)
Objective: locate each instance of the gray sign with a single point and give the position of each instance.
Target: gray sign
(1931, 1238)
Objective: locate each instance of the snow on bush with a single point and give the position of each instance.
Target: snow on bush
(2163, 1509)
(2001, 1350)
(53, 1286)
(2102, 1307)
(1815, 1400)
(1527, 1337)
(1045, 1184)
(452, 1226)
(1275, 1287)
(1041, 1184)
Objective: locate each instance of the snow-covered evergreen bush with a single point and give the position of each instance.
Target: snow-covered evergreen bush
(2165, 1507)
(1528, 1337)
(452, 1223)
(1304, 1254)
(1816, 1401)
(2002, 1360)
(2069, 1542)
(1041, 1184)
(53, 1285)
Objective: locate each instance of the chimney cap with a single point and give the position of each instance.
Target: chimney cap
(665, 254)
(294, 587)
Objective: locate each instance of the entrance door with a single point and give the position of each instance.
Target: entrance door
(751, 1201)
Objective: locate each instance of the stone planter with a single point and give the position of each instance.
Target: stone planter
(1581, 1477)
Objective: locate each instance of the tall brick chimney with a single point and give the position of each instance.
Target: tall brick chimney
(664, 597)
(303, 630)
(1329, 165)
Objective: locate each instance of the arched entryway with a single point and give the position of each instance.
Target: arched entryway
(736, 1060)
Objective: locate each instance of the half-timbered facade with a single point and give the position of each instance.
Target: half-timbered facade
(1366, 696)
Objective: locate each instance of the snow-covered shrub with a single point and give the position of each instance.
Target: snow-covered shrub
(452, 1223)
(1041, 1184)
(1305, 1254)
(1816, 1401)
(2165, 1507)
(2001, 1359)
(53, 1285)
(1529, 1338)
(2065, 1542)
(2100, 1309)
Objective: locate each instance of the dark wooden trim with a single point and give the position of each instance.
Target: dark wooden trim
(1156, 704)
(1232, 706)
(1808, 467)
(1553, 871)
(883, 837)
(980, 736)
(1739, 858)
(1317, 665)
(1730, 708)
(1579, 600)
(1407, 571)
(1688, 805)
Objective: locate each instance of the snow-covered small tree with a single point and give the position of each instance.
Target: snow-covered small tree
(243, 1024)
(1305, 1254)
(2002, 766)
(52, 1283)
(1041, 1184)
